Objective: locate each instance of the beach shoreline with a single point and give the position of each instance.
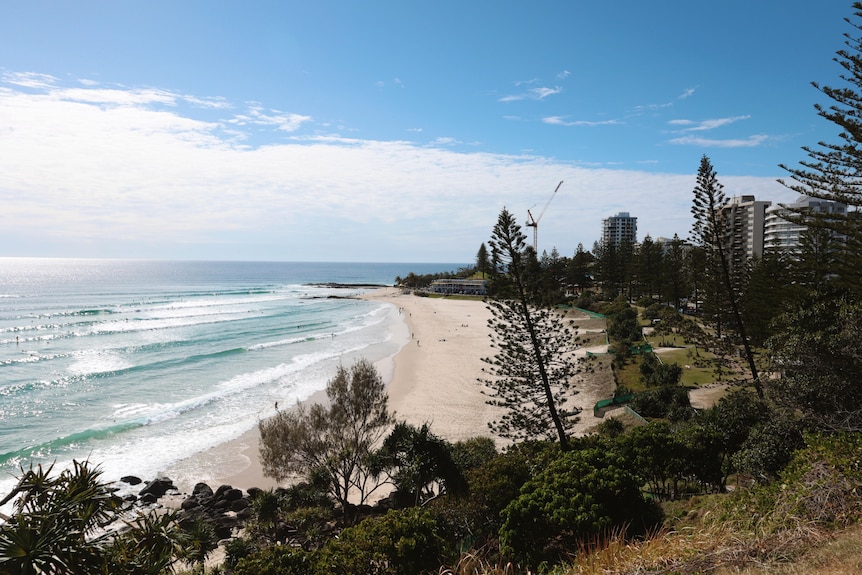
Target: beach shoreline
(433, 378)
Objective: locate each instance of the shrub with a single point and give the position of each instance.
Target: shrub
(823, 482)
(769, 446)
(402, 541)
(578, 498)
(821, 486)
(474, 452)
(651, 310)
(611, 428)
(236, 549)
(670, 401)
(276, 560)
(492, 487)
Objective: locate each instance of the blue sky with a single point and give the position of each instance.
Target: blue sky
(391, 130)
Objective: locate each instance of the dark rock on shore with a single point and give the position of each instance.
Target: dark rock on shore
(148, 499)
(190, 503)
(157, 487)
(202, 490)
(226, 508)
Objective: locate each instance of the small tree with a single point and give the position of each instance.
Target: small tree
(657, 453)
(54, 528)
(199, 541)
(716, 434)
(483, 264)
(578, 269)
(151, 545)
(534, 364)
(418, 462)
(58, 526)
(333, 441)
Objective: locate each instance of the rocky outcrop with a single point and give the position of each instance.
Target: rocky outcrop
(226, 508)
(156, 489)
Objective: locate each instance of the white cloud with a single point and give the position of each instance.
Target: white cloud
(687, 93)
(539, 93)
(126, 173)
(512, 98)
(656, 107)
(702, 125)
(280, 120)
(651, 107)
(28, 79)
(443, 141)
(561, 121)
(544, 92)
(116, 96)
(749, 142)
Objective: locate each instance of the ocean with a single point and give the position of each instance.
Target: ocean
(136, 365)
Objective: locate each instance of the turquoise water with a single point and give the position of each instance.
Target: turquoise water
(138, 365)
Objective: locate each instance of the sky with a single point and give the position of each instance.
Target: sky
(392, 131)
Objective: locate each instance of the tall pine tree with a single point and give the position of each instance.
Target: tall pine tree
(708, 232)
(533, 368)
(832, 170)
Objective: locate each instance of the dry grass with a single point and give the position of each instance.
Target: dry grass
(474, 564)
(840, 554)
(716, 550)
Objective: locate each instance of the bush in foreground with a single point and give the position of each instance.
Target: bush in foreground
(580, 497)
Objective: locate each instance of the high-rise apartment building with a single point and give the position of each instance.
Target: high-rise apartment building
(743, 219)
(784, 235)
(619, 228)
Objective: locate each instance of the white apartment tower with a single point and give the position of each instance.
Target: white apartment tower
(743, 219)
(781, 234)
(618, 229)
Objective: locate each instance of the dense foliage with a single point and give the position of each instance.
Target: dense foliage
(579, 497)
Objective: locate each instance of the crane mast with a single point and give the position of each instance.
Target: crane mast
(534, 222)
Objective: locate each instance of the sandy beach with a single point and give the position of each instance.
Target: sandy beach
(432, 379)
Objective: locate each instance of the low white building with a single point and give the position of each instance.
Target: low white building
(458, 286)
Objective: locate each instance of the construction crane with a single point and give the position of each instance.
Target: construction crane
(534, 222)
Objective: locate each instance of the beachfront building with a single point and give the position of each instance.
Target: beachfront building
(743, 219)
(619, 229)
(783, 235)
(458, 286)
